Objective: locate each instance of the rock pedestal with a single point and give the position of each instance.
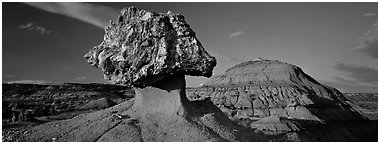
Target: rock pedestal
(153, 52)
(166, 96)
(164, 113)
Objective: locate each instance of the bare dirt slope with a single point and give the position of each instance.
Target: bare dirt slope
(118, 124)
(165, 116)
(28, 105)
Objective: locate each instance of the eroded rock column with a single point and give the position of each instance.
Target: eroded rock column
(152, 52)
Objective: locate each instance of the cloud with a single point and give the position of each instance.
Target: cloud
(227, 58)
(80, 78)
(354, 79)
(91, 13)
(369, 42)
(35, 27)
(30, 82)
(351, 87)
(236, 34)
(10, 76)
(369, 14)
(359, 75)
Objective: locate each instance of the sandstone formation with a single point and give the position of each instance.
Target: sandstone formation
(365, 103)
(143, 47)
(275, 124)
(151, 52)
(261, 88)
(256, 90)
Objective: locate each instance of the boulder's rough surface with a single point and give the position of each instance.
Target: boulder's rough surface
(143, 47)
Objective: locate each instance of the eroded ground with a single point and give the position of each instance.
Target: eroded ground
(45, 103)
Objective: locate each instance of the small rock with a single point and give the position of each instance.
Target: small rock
(118, 116)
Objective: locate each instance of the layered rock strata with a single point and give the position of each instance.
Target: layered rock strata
(275, 124)
(258, 89)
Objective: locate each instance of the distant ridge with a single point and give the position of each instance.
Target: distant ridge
(41, 82)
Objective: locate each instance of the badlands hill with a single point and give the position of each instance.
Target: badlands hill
(280, 99)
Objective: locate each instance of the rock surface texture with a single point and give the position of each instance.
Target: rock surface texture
(261, 88)
(253, 92)
(143, 47)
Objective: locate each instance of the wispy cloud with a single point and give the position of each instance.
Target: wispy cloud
(30, 82)
(236, 34)
(360, 75)
(91, 13)
(80, 78)
(369, 42)
(369, 14)
(353, 79)
(35, 27)
(351, 87)
(221, 56)
(10, 76)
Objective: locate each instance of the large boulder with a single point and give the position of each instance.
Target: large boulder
(142, 47)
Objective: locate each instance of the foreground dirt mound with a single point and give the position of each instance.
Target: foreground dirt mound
(108, 125)
(165, 116)
(85, 127)
(98, 104)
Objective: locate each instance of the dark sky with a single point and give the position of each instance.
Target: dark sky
(336, 43)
